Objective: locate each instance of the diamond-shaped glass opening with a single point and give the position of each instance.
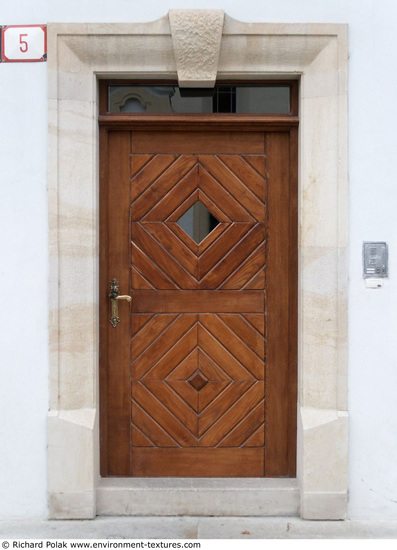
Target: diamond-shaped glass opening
(198, 222)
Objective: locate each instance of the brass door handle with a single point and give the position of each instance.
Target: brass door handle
(124, 297)
(114, 296)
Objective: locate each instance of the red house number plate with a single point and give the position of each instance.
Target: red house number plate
(24, 43)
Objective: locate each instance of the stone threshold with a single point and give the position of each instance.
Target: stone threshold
(197, 497)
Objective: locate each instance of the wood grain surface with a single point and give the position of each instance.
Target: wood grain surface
(199, 377)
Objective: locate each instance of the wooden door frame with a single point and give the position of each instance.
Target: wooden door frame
(79, 55)
(231, 123)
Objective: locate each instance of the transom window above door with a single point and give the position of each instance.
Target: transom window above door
(274, 98)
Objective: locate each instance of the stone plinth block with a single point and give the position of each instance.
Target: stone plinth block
(71, 447)
(323, 465)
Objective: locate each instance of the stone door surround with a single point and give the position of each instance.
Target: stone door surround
(197, 47)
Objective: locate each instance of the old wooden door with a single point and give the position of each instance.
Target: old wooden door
(199, 228)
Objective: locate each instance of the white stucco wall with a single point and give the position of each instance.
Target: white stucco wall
(373, 201)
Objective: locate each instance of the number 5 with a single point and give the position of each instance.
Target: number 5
(24, 47)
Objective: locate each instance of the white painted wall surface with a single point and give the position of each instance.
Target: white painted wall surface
(23, 290)
(373, 216)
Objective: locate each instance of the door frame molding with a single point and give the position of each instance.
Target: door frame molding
(81, 54)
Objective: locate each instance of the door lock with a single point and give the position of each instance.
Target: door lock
(115, 296)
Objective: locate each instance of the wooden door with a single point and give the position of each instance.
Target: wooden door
(198, 378)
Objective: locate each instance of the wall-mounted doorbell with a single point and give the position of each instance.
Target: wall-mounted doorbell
(375, 263)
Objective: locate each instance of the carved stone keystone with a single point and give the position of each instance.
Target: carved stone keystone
(196, 38)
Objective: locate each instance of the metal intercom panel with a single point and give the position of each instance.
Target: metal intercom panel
(375, 260)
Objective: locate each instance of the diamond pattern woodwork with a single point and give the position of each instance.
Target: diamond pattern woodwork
(197, 363)
(183, 390)
(164, 256)
(196, 383)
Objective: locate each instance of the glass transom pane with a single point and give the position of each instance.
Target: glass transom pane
(198, 222)
(240, 99)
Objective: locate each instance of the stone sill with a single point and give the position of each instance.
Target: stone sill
(197, 497)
